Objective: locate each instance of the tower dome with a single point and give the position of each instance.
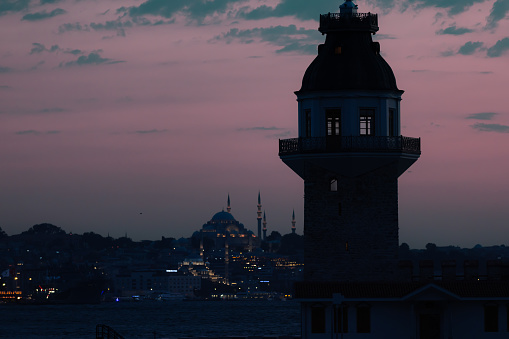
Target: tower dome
(349, 59)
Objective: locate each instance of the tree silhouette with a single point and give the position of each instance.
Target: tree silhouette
(44, 228)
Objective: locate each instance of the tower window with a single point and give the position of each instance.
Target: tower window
(333, 122)
(367, 121)
(334, 185)
(307, 114)
(337, 50)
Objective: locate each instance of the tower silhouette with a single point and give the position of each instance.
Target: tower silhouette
(293, 222)
(264, 226)
(350, 153)
(259, 216)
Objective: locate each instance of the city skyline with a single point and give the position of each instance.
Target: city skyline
(139, 117)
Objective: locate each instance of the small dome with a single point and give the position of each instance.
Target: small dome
(349, 60)
(223, 216)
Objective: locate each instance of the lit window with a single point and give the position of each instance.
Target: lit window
(367, 121)
(334, 185)
(333, 122)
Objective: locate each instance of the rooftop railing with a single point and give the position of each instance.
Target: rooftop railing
(342, 21)
(350, 144)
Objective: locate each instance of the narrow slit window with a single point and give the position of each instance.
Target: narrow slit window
(308, 122)
(391, 122)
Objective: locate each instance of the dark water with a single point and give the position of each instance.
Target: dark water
(170, 319)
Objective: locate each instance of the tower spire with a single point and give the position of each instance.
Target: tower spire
(259, 217)
(228, 208)
(293, 221)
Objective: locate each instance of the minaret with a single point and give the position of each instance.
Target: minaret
(350, 153)
(293, 222)
(264, 227)
(228, 208)
(201, 245)
(226, 260)
(259, 217)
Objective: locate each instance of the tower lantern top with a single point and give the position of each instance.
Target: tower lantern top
(348, 20)
(348, 7)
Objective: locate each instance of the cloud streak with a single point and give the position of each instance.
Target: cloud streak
(452, 30)
(8, 6)
(42, 15)
(498, 128)
(482, 116)
(499, 48)
(35, 132)
(289, 38)
(498, 12)
(91, 59)
(470, 47)
(260, 128)
(151, 131)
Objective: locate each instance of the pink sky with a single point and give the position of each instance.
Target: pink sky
(111, 108)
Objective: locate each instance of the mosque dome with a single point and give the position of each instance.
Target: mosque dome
(223, 217)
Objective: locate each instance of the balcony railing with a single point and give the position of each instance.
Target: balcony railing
(339, 21)
(350, 144)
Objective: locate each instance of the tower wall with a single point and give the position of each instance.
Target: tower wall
(351, 234)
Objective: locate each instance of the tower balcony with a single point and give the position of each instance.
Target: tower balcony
(335, 22)
(343, 144)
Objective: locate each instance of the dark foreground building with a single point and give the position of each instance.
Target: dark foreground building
(350, 153)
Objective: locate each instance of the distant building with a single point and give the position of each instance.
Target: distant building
(225, 231)
(155, 282)
(350, 153)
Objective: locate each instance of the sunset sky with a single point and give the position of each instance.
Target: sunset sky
(140, 116)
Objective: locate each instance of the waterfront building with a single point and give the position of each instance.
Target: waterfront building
(350, 153)
(155, 283)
